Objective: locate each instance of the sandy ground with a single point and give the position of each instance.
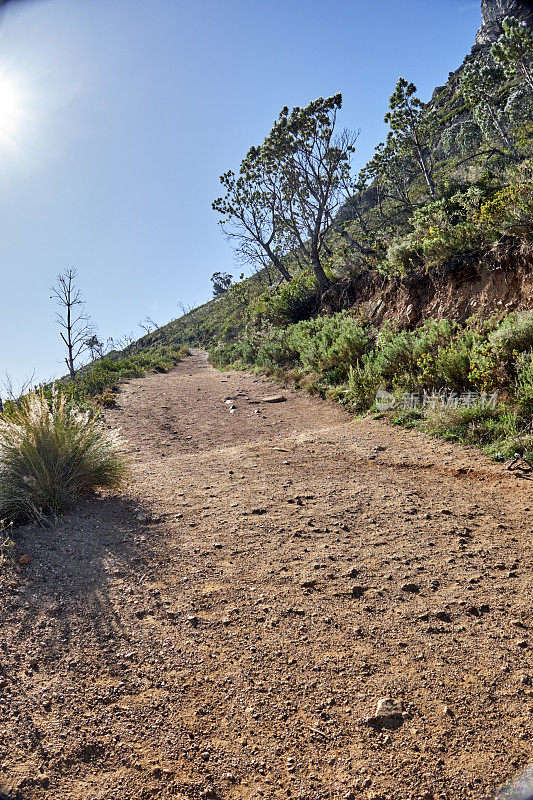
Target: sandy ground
(227, 627)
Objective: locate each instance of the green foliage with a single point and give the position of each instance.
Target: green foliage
(328, 345)
(508, 211)
(221, 282)
(449, 368)
(98, 379)
(462, 139)
(289, 188)
(290, 302)
(347, 361)
(364, 380)
(481, 86)
(50, 453)
(412, 130)
(515, 334)
(500, 430)
(465, 424)
(439, 230)
(524, 381)
(466, 221)
(484, 365)
(514, 50)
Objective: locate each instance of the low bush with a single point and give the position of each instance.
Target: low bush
(439, 230)
(364, 381)
(515, 334)
(463, 222)
(329, 345)
(509, 211)
(50, 453)
(524, 382)
(396, 354)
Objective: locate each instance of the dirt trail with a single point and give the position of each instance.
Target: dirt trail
(224, 629)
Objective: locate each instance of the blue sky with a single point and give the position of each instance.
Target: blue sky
(121, 115)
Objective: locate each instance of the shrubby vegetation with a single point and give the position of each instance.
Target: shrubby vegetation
(98, 380)
(50, 453)
(475, 381)
(468, 220)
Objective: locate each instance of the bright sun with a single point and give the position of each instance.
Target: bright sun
(10, 112)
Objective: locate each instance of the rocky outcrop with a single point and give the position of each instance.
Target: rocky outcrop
(492, 14)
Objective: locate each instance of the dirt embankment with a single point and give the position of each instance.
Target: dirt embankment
(227, 629)
(470, 286)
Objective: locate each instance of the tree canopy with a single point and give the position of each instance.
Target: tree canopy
(289, 188)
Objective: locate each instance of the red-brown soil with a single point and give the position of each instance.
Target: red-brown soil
(224, 628)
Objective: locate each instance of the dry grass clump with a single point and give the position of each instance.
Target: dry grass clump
(50, 454)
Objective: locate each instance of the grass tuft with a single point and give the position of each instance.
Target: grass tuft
(50, 453)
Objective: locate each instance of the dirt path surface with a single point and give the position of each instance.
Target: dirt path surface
(227, 628)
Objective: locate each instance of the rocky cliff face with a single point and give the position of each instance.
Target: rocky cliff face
(494, 11)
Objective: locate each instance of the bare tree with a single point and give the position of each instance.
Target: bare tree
(124, 341)
(148, 325)
(15, 394)
(185, 309)
(76, 326)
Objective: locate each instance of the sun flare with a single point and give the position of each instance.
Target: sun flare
(10, 112)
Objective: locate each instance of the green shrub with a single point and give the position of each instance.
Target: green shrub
(292, 301)
(396, 352)
(431, 334)
(449, 366)
(364, 380)
(439, 230)
(515, 334)
(50, 454)
(524, 382)
(484, 365)
(510, 210)
(329, 345)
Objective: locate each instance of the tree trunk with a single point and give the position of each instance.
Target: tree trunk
(280, 266)
(318, 270)
(70, 359)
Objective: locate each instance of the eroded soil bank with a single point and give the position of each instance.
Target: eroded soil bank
(225, 628)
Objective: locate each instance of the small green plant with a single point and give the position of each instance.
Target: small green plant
(6, 541)
(50, 453)
(524, 382)
(363, 382)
